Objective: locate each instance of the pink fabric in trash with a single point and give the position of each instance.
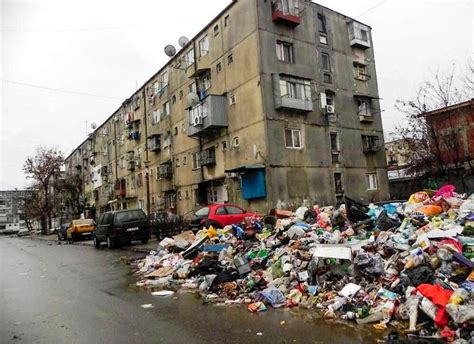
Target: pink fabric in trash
(445, 192)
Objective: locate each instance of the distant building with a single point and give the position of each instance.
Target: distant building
(454, 128)
(272, 104)
(11, 215)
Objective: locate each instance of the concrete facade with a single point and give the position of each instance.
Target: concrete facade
(279, 106)
(11, 215)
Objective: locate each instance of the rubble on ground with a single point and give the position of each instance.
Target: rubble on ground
(406, 267)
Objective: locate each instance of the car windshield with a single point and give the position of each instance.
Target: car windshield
(83, 222)
(202, 212)
(129, 216)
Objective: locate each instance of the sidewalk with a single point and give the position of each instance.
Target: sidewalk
(151, 245)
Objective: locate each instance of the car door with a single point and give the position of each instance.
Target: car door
(220, 215)
(235, 214)
(103, 225)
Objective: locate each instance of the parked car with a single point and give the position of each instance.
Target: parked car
(62, 231)
(219, 216)
(122, 227)
(23, 232)
(80, 229)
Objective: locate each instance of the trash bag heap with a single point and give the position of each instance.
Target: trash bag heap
(406, 267)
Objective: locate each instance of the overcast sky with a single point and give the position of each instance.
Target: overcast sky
(107, 48)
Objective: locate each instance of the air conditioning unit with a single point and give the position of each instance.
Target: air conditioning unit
(332, 118)
(197, 120)
(330, 109)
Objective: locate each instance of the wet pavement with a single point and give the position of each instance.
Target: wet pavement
(53, 293)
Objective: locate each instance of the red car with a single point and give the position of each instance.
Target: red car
(219, 216)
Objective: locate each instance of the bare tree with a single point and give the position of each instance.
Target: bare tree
(43, 169)
(428, 145)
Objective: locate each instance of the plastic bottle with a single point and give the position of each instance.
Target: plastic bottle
(348, 316)
(458, 296)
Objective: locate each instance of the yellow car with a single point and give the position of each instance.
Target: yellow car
(80, 229)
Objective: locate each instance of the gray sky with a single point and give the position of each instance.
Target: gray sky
(108, 48)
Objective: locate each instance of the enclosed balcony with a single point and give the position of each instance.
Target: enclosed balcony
(165, 171)
(292, 93)
(359, 35)
(207, 118)
(286, 12)
(371, 143)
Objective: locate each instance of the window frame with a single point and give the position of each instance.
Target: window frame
(285, 51)
(337, 189)
(372, 181)
(336, 149)
(204, 46)
(292, 132)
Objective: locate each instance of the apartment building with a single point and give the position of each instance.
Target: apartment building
(272, 104)
(11, 215)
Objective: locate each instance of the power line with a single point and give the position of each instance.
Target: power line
(371, 9)
(57, 89)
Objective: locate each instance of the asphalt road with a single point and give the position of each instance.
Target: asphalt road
(53, 293)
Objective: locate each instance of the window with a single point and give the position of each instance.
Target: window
(173, 99)
(177, 162)
(363, 107)
(216, 29)
(230, 59)
(287, 7)
(140, 180)
(326, 63)
(219, 67)
(167, 140)
(226, 21)
(293, 138)
(206, 82)
(166, 109)
(364, 35)
(338, 187)
(181, 94)
(322, 23)
(221, 211)
(183, 128)
(295, 88)
(371, 181)
(204, 46)
(192, 88)
(233, 210)
(187, 194)
(224, 145)
(175, 131)
(156, 116)
(360, 72)
(196, 160)
(185, 158)
(189, 58)
(370, 143)
(232, 99)
(284, 51)
(323, 38)
(329, 98)
(334, 136)
(327, 78)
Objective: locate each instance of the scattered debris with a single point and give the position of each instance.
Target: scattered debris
(407, 267)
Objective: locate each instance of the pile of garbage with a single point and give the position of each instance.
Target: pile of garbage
(407, 267)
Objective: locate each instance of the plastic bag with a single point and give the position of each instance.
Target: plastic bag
(273, 296)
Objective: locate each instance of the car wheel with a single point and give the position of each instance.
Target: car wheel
(96, 243)
(145, 241)
(210, 223)
(110, 243)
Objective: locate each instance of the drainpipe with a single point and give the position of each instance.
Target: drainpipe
(116, 157)
(147, 162)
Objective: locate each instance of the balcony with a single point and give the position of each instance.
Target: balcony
(286, 12)
(208, 157)
(165, 171)
(359, 35)
(366, 118)
(120, 188)
(154, 143)
(292, 93)
(120, 192)
(208, 117)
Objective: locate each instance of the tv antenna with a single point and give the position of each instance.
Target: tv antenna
(170, 50)
(183, 40)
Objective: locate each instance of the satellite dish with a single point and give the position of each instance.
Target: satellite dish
(170, 50)
(192, 99)
(183, 40)
(93, 126)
